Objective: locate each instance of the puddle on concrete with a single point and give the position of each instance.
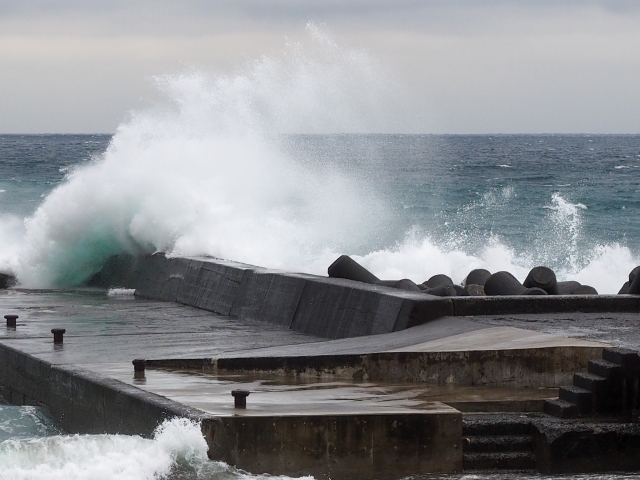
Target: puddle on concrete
(280, 394)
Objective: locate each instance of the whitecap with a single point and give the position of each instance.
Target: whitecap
(121, 292)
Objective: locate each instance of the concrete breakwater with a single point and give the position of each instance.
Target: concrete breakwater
(323, 306)
(89, 385)
(357, 406)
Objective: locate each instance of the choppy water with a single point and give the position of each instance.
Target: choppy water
(404, 205)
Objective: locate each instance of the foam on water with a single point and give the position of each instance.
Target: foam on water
(177, 450)
(418, 257)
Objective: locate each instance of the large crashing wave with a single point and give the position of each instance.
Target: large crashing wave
(204, 175)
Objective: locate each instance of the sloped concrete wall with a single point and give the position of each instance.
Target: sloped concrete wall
(326, 307)
(81, 401)
(322, 306)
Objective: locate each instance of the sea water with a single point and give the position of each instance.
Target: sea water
(405, 206)
(255, 166)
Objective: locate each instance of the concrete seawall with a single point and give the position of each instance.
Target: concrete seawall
(522, 368)
(379, 399)
(322, 306)
(327, 307)
(392, 443)
(82, 401)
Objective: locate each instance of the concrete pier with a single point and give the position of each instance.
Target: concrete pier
(345, 380)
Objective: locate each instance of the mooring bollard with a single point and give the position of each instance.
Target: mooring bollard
(240, 398)
(58, 333)
(11, 320)
(138, 368)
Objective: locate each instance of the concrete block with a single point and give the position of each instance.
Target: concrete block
(188, 291)
(158, 277)
(514, 461)
(495, 305)
(560, 408)
(603, 368)
(326, 445)
(271, 296)
(541, 367)
(627, 359)
(214, 285)
(566, 447)
(588, 381)
(338, 308)
(582, 398)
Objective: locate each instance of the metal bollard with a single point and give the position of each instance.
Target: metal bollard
(240, 398)
(11, 320)
(138, 368)
(57, 335)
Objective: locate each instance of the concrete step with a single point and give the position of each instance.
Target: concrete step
(606, 369)
(628, 359)
(485, 425)
(498, 444)
(560, 408)
(499, 461)
(599, 387)
(580, 397)
(590, 381)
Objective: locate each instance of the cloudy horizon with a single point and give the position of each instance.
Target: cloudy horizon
(468, 66)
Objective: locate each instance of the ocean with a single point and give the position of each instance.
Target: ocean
(405, 206)
(226, 167)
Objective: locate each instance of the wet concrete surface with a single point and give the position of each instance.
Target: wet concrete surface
(278, 395)
(617, 329)
(120, 328)
(105, 333)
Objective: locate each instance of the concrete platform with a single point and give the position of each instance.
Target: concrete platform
(347, 421)
(276, 394)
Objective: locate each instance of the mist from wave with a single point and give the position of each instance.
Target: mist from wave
(203, 175)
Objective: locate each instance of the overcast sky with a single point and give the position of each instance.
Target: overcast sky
(81, 66)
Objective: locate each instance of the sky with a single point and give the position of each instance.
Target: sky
(490, 66)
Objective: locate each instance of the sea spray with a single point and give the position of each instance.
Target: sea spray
(204, 175)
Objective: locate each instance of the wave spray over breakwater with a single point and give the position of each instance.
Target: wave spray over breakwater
(226, 168)
(204, 174)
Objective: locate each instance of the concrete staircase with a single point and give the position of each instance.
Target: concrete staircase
(497, 442)
(609, 387)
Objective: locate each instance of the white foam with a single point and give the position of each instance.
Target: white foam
(105, 457)
(121, 292)
(177, 445)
